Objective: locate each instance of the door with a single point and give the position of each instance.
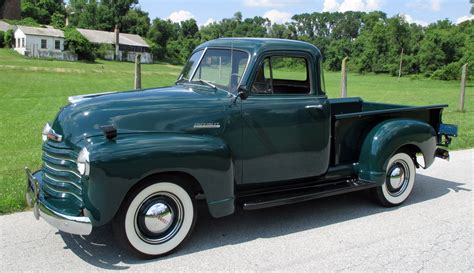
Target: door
(286, 127)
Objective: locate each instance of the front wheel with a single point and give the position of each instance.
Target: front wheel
(155, 219)
(399, 181)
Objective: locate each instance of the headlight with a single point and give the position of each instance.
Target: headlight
(46, 130)
(83, 162)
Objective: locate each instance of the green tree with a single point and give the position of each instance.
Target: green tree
(189, 28)
(442, 45)
(2, 34)
(42, 10)
(101, 15)
(58, 20)
(8, 38)
(136, 21)
(161, 31)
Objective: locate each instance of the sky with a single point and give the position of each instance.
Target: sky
(206, 11)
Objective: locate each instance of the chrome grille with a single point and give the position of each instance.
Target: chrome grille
(61, 181)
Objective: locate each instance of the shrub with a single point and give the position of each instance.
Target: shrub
(2, 34)
(8, 38)
(448, 72)
(76, 43)
(102, 50)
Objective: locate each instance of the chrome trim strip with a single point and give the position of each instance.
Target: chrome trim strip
(63, 192)
(80, 225)
(62, 170)
(63, 181)
(59, 158)
(199, 63)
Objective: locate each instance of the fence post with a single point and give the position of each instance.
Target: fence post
(400, 67)
(138, 72)
(463, 88)
(344, 78)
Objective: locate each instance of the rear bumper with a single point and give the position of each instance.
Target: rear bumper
(80, 225)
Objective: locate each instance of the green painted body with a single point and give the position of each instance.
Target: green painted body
(261, 140)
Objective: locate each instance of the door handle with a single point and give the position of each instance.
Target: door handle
(314, 106)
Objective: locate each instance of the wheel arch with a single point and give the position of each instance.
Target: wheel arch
(203, 162)
(392, 136)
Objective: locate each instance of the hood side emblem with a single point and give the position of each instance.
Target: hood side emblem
(207, 125)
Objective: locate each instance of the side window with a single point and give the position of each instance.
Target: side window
(282, 75)
(44, 43)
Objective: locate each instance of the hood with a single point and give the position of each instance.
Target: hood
(177, 109)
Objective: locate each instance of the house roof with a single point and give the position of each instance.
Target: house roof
(50, 32)
(4, 26)
(106, 37)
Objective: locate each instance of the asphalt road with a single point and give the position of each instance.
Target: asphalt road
(432, 231)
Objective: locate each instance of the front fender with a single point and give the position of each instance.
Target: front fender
(116, 166)
(389, 136)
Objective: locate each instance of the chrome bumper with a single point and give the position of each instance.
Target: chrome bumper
(70, 224)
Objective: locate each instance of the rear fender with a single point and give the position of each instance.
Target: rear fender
(117, 166)
(386, 139)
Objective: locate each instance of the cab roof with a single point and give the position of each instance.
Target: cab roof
(260, 45)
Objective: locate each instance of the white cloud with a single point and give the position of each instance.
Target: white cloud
(181, 15)
(330, 5)
(209, 21)
(411, 20)
(264, 3)
(276, 16)
(434, 5)
(353, 5)
(374, 4)
(464, 18)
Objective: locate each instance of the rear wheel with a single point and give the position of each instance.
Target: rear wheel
(155, 219)
(399, 181)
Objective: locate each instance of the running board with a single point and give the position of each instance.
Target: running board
(301, 195)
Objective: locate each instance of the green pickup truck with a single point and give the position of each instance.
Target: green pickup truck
(248, 124)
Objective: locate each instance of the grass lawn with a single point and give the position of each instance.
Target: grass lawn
(32, 91)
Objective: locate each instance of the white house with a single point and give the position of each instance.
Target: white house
(41, 43)
(127, 46)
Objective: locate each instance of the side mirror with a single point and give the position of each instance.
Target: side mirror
(242, 92)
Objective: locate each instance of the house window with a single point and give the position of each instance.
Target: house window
(44, 44)
(22, 42)
(57, 45)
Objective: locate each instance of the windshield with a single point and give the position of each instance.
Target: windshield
(220, 67)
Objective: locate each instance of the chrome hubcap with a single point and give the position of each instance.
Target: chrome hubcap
(398, 177)
(158, 218)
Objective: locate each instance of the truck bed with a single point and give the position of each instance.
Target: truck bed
(352, 119)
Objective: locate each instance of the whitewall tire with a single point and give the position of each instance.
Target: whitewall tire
(399, 181)
(155, 219)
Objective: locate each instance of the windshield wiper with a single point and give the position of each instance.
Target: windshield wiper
(206, 82)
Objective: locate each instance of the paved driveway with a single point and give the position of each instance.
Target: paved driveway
(432, 231)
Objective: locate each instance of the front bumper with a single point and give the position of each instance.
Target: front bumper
(71, 224)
